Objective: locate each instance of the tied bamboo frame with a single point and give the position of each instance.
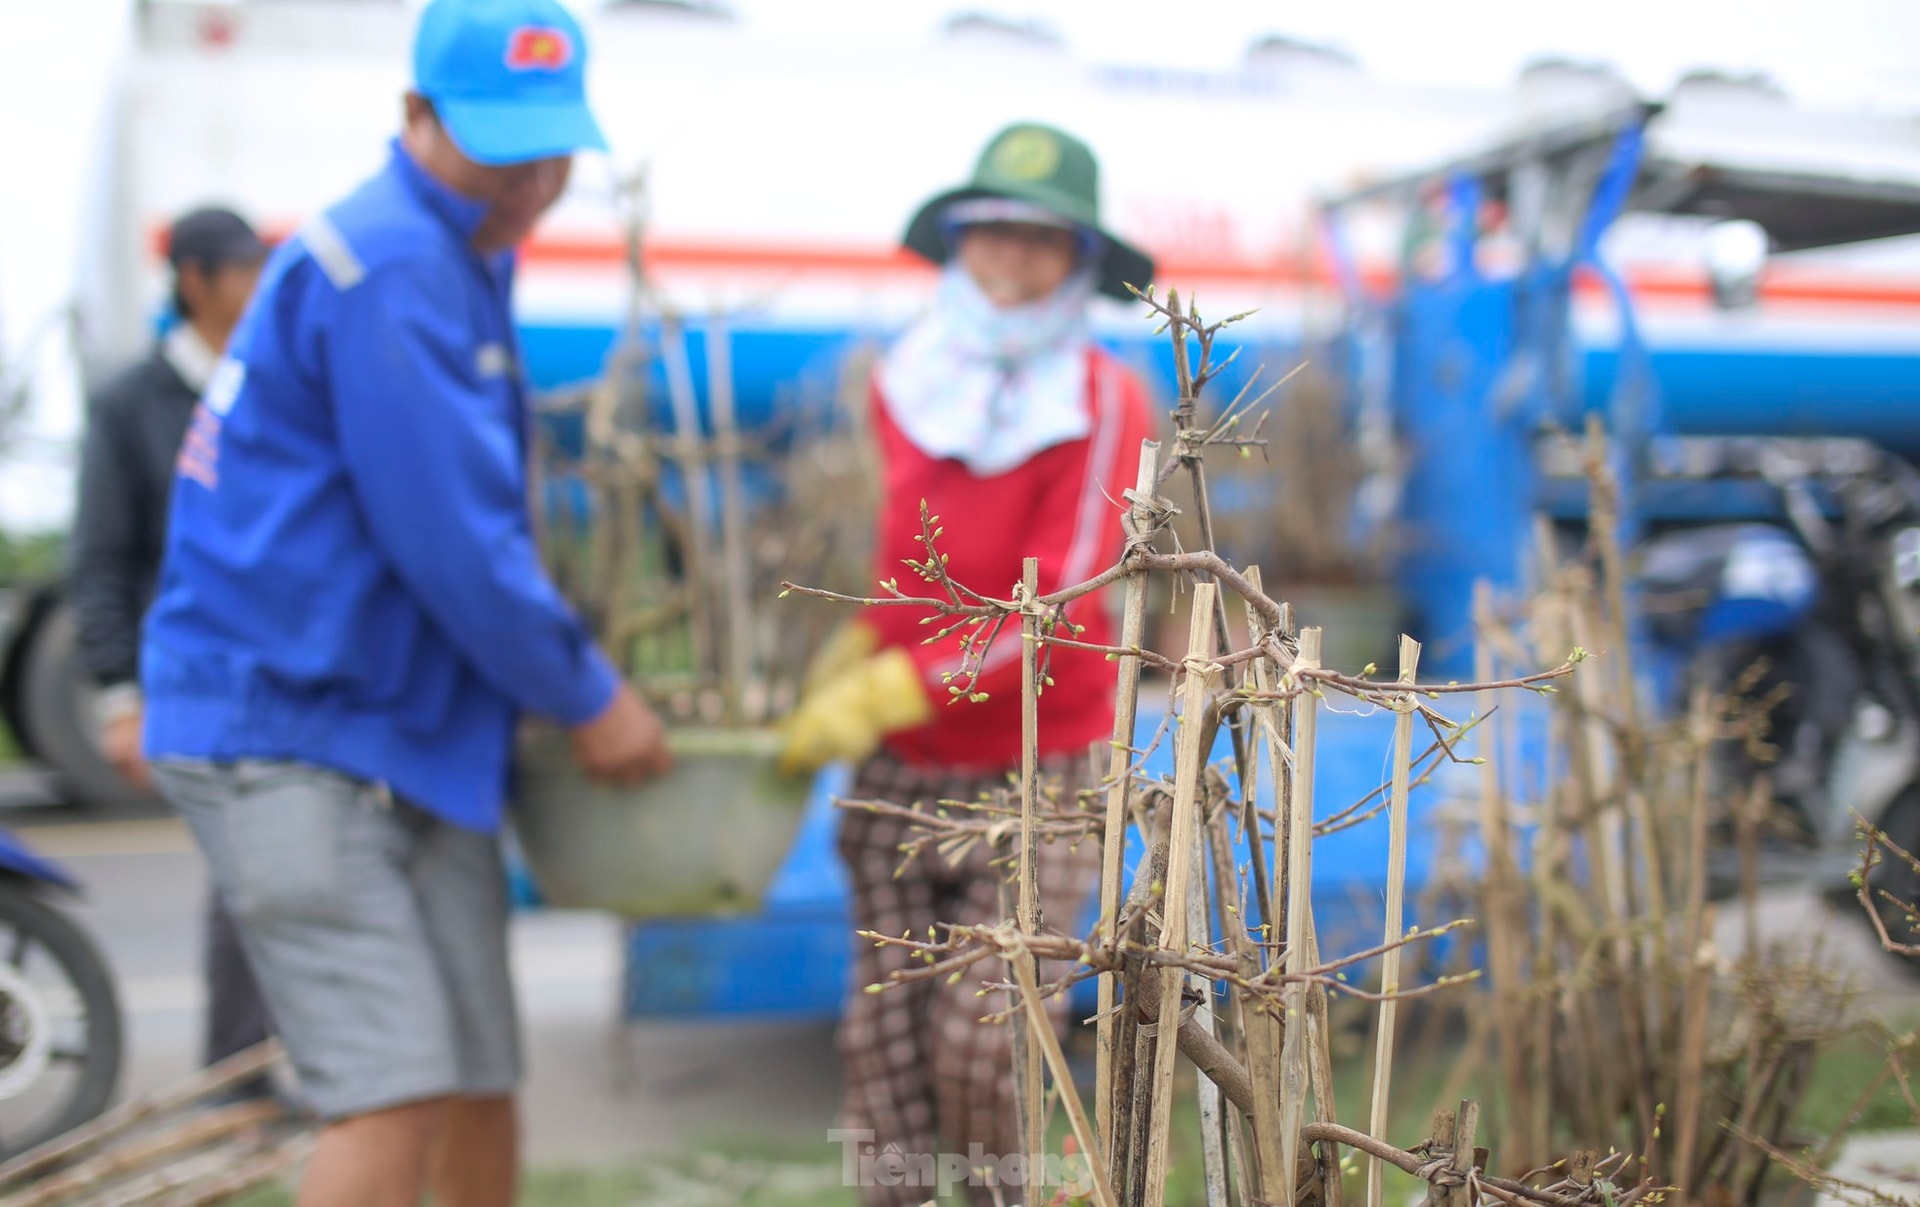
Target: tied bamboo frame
(1266, 1055)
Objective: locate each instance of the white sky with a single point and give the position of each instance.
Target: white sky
(50, 106)
(1843, 54)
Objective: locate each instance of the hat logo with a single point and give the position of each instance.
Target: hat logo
(1027, 155)
(539, 48)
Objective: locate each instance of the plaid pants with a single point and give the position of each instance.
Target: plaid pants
(922, 1072)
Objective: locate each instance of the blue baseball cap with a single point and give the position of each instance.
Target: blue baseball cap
(507, 77)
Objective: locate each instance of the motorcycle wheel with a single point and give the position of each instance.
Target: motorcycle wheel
(57, 713)
(60, 1023)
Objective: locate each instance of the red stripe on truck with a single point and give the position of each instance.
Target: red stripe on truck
(1784, 283)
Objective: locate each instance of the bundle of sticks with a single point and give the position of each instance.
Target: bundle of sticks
(669, 538)
(177, 1147)
(1235, 946)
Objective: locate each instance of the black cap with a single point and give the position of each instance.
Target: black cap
(212, 237)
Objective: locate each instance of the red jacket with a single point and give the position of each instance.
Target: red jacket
(1063, 507)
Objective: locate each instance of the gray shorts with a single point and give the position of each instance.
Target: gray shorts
(377, 931)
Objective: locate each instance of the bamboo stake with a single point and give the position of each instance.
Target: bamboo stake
(1300, 1032)
(1606, 514)
(229, 1072)
(1466, 1130)
(1597, 817)
(1035, 1080)
(602, 554)
(1233, 1021)
(1559, 824)
(1278, 720)
(1227, 904)
(144, 1190)
(690, 455)
(213, 1176)
(1502, 908)
(195, 1132)
(1305, 1059)
(1257, 1030)
(743, 691)
(1264, 1030)
(1131, 1079)
(1199, 928)
(1748, 815)
(1253, 1028)
(1189, 762)
(1185, 421)
(1396, 901)
(1236, 726)
(255, 1171)
(620, 572)
(1609, 851)
(1113, 839)
(1139, 1117)
(1140, 1109)
(1133, 1041)
(1024, 1109)
(1539, 1126)
(1239, 1175)
(1699, 982)
(1702, 734)
(1040, 1028)
(1693, 1051)
(600, 577)
(1320, 1054)
(1604, 521)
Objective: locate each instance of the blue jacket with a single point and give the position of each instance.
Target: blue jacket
(350, 576)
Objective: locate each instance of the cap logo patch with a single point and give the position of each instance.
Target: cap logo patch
(539, 48)
(1027, 155)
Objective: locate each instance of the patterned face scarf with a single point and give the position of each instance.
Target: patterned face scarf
(991, 386)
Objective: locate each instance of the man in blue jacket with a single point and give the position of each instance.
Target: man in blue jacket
(352, 617)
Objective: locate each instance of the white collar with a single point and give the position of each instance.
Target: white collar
(991, 386)
(191, 356)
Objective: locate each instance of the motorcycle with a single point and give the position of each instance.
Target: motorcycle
(1815, 624)
(60, 1020)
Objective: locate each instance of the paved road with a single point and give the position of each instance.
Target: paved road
(596, 1089)
(29, 791)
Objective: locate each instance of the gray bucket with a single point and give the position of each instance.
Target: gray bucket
(706, 840)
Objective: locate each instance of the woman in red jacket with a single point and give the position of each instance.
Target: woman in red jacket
(998, 412)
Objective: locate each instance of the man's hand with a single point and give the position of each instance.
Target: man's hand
(120, 741)
(625, 745)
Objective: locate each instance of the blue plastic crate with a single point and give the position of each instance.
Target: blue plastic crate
(792, 960)
(787, 964)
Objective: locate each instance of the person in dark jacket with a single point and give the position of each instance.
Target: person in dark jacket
(134, 431)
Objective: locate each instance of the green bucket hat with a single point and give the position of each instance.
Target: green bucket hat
(1048, 168)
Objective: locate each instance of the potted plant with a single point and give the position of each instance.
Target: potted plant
(671, 544)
